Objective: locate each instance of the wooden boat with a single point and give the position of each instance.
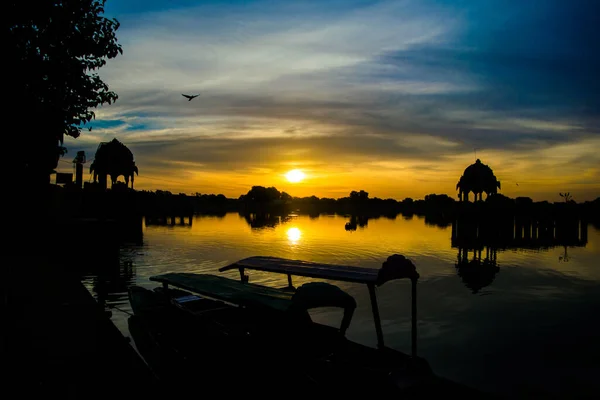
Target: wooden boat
(203, 324)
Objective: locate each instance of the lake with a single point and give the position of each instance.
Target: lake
(519, 319)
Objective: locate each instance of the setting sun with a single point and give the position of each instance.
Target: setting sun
(295, 176)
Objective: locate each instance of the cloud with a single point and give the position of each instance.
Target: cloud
(347, 85)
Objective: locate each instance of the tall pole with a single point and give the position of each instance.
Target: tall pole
(79, 161)
(414, 316)
(79, 175)
(376, 317)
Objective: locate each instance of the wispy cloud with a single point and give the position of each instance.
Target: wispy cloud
(385, 89)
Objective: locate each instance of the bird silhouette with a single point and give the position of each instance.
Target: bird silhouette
(189, 96)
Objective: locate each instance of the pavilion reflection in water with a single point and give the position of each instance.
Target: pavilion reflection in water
(478, 243)
(163, 220)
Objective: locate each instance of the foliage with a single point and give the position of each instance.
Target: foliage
(439, 198)
(359, 196)
(523, 201)
(261, 194)
(567, 196)
(211, 198)
(54, 50)
(120, 187)
(285, 197)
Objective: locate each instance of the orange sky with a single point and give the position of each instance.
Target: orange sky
(385, 179)
(354, 98)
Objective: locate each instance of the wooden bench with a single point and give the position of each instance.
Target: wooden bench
(307, 296)
(228, 290)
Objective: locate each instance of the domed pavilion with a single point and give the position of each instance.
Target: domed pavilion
(477, 178)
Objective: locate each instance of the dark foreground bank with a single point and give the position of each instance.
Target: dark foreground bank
(57, 341)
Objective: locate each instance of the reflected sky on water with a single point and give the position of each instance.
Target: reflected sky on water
(510, 319)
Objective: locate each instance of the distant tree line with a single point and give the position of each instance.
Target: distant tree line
(437, 207)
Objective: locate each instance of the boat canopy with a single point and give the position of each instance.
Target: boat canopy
(396, 267)
(309, 295)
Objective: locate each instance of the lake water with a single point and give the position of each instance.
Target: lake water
(521, 321)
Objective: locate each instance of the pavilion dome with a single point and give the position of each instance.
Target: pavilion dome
(478, 178)
(478, 170)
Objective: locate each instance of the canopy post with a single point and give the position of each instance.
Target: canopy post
(244, 278)
(376, 318)
(290, 281)
(348, 313)
(414, 316)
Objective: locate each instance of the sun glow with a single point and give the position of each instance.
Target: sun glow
(295, 176)
(294, 235)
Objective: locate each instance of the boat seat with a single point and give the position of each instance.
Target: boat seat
(321, 294)
(307, 296)
(229, 290)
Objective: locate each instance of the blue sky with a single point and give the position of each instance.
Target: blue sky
(393, 97)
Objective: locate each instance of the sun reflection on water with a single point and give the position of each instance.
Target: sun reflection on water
(294, 234)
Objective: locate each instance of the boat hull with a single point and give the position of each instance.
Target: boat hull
(248, 350)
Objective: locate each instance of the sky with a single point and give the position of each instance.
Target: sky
(393, 97)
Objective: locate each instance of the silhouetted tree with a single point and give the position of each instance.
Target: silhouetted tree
(260, 194)
(567, 196)
(52, 50)
(359, 196)
(523, 201)
(285, 197)
(439, 198)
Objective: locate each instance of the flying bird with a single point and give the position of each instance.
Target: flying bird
(189, 96)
